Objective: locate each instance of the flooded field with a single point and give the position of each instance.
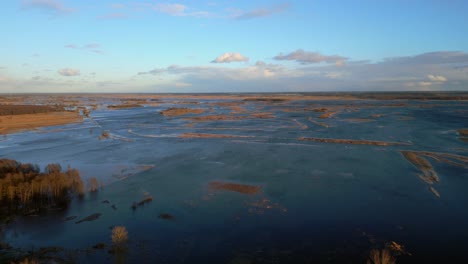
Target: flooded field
(250, 178)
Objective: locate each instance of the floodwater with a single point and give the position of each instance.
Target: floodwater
(316, 202)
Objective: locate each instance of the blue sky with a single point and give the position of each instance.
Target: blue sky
(233, 46)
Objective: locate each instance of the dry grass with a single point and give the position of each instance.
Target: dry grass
(463, 132)
(119, 236)
(181, 111)
(430, 176)
(147, 199)
(15, 123)
(124, 106)
(381, 257)
(216, 118)
(235, 187)
(93, 184)
(27, 261)
(327, 115)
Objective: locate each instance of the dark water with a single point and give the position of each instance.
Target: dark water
(319, 202)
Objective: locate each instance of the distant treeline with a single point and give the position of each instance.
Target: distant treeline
(28, 109)
(24, 188)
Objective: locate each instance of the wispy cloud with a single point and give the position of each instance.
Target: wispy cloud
(305, 57)
(260, 12)
(115, 15)
(436, 78)
(175, 9)
(68, 72)
(260, 70)
(93, 47)
(118, 6)
(171, 9)
(429, 71)
(51, 6)
(230, 57)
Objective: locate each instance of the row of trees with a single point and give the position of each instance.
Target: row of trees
(23, 187)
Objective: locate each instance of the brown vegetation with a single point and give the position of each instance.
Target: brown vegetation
(28, 109)
(124, 106)
(383, 256)
(15, 123)
(429, 175)
(327, 115)
(23, 188)
(263, 115)
(354, 141)
(89, 218)
(234, 187)
(173, 111)
(93, 184)
(216, 118)
(146, 200)
(463, 134)
(104, 135)
(166, 216)
(320, 109)
(27, 261)
(119, 236)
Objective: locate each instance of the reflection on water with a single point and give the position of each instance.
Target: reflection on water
(264, 198)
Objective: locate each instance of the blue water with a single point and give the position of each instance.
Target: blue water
(319, 202)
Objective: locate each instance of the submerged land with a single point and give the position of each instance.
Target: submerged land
(270, 177)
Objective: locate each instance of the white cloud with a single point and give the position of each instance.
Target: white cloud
(52, 6)
(305, 57)
(93, 47)
(260, 70)
(230, 57)
(69, 72)
(436, 78)
(171, 9)
(113, 16)
(261, 12)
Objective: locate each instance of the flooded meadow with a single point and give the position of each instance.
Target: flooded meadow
(249, 179)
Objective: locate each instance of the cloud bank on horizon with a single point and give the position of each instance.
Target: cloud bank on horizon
(242, 46)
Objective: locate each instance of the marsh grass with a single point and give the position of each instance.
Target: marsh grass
(119, 236)
(383, 256)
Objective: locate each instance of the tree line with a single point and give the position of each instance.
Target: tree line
(24, 188)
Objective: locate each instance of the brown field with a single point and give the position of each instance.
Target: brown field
(15, 123)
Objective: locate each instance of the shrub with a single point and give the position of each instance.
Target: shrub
(93, 184)
(27, 261)
(119, 236)
(381, 257)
